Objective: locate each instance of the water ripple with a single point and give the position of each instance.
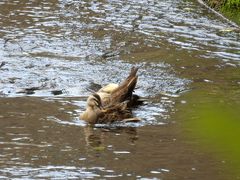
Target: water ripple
(53, 172)
(70, 23)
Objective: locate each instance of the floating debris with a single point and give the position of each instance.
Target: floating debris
(56, 92)
(2, 64)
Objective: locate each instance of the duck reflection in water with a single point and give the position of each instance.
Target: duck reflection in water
(97, 137)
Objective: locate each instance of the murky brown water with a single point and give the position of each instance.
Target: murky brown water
(52, 52)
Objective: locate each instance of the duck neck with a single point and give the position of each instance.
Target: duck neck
(91, 114)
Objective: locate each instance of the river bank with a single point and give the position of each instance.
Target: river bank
(229, 8)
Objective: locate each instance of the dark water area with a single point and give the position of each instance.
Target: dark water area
(52, 53)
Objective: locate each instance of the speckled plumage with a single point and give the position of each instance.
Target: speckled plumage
(112, 102)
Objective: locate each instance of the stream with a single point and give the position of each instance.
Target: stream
(54, 53)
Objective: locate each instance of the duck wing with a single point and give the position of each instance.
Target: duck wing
(126, 88)
(116, 112)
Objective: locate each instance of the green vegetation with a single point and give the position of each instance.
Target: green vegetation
(232, 4)
(229, 8)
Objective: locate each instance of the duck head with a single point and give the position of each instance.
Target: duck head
(93, 109)
(94, 101)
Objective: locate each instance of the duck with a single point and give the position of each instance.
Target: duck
(117, 93)
(113, 102)
(105, 92)
(95, 113)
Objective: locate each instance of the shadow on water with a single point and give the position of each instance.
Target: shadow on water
(52, 52)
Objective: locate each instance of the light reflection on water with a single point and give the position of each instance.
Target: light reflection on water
(69, 27)
(53, 172)
(66, 172)
(70, 30)
(74, 77)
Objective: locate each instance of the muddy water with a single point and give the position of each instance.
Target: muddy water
(53, 53)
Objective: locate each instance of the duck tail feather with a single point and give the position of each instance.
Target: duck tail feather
(134, 119)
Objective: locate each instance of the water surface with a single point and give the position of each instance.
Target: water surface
(53, 52)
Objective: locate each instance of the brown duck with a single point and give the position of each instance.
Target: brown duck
(113, 102)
